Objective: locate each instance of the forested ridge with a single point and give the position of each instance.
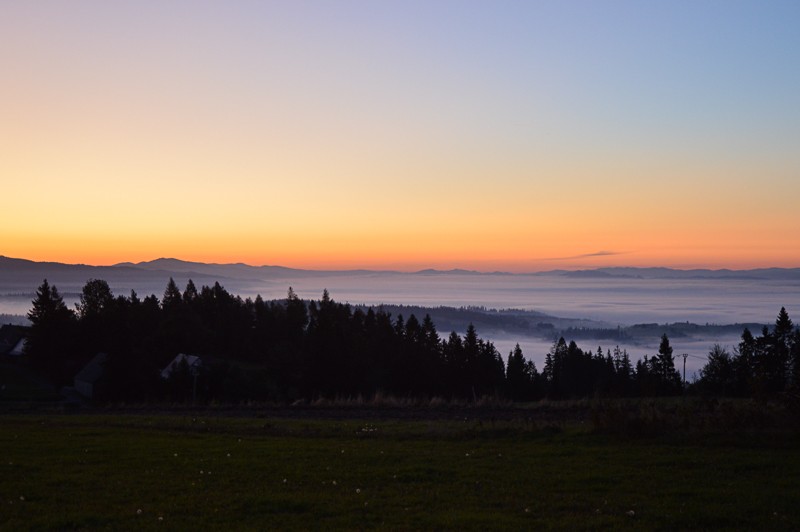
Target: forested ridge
(256, 350)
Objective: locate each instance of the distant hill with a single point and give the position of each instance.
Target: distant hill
(457, 271)
(19, 278)
(244, 271)
(27, 271)
(21, 270)
(524, 322)
(237, 270)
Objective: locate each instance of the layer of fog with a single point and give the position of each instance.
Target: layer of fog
(625, 301)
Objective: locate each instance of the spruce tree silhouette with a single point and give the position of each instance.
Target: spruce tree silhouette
(52, 335)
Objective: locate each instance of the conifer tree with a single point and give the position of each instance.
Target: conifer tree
(782, 339)
(172, 296)
(431, 337)
(296, 317)
(518, 375)
(663, 366)
(52, 335)
(96, 298)
(744, 363)
(190, 293)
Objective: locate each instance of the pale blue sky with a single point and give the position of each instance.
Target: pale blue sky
(500, 106)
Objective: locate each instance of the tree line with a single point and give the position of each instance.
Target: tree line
(283, 350)
(760, 366)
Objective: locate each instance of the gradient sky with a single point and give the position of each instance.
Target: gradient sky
(500, 135)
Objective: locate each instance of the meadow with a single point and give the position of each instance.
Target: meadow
(374, 469)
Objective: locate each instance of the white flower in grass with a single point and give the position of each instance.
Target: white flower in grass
(139, 511)
(630, 513)
(334, 482)
(358, 490)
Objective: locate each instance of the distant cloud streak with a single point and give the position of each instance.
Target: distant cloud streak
(589, 255)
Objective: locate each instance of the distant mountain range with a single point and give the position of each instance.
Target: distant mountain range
(21, 271)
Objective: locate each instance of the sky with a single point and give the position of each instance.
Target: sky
(503, 135)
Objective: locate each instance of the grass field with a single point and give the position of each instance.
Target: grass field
(193, 472)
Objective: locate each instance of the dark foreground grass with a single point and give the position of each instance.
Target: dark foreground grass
(126, 472)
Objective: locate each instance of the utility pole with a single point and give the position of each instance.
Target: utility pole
(685, 355)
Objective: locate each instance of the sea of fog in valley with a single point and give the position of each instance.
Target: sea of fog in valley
(598, 302)
(607, 301)
(616, 301)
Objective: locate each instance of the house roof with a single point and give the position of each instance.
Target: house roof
(192, 361)
(19, 348)
(10, 337)
(92, 371)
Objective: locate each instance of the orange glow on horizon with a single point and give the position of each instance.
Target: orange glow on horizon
(102, 254)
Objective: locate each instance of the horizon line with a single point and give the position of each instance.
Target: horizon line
(408, 271)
